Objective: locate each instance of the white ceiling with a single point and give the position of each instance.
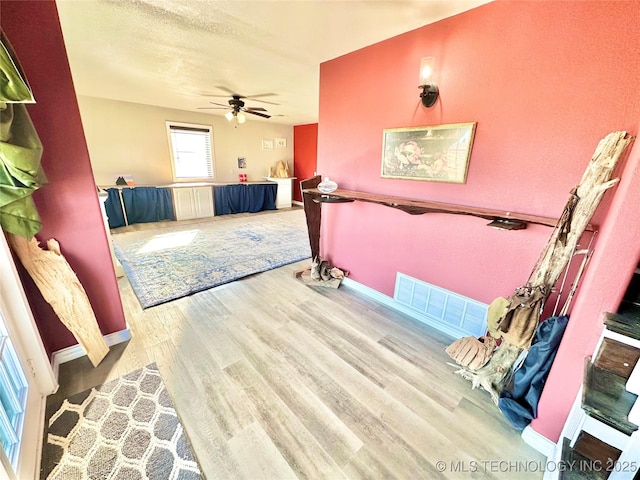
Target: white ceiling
(177, 53)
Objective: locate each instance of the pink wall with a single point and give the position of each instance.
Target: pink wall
(529, 73)
(68, 204)
(305, 154)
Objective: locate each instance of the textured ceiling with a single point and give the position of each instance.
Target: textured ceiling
(177, 53)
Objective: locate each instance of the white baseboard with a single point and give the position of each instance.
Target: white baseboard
(76, 351)
(370, 292)
(398, 307)
(538, 441)
(296, 202)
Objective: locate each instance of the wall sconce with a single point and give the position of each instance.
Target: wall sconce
(429, 92)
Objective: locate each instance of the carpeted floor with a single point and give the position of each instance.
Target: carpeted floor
(172, 262)
(124, 429)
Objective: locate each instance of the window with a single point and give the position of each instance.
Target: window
(191, 151)
(13, 398)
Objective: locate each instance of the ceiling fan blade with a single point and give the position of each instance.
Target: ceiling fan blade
(261, 95)
(212, 95)
(228, 90)
(253, 99)
(258, 114)
(212, 108)
(219, 104)
(256, 109)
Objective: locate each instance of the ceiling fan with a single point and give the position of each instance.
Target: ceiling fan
(237, 107)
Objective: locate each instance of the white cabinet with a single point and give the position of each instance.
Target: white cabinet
(183, 203)
(285, 190)
(203, 199)
(193, 202)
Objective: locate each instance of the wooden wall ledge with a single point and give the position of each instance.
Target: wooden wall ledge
(499, 219)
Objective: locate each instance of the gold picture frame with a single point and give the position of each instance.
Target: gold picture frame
(438, 153)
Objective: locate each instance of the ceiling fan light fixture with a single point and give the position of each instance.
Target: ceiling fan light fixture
(229, 115)
(241, 117)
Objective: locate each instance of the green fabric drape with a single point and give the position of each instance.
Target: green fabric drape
(20, 151)
(13, 86)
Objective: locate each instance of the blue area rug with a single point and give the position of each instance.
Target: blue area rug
(171, 262)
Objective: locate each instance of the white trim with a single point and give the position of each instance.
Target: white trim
(296, 202)
(398, 307)
(617, 337)
(547, 448)
(22, 326)
(634, 413)
(371, 293)
(633, 382)
(76, 351)
(25, 337)
(33, 437)
(604, 432)
(575, 420)
(538, 441)
(629, 457)
(170, 124)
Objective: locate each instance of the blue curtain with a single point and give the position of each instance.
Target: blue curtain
(114, 209)
(147, 204)
(244, 198)
(142, 204)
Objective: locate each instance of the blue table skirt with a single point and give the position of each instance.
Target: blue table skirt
(113, 208)
(244, 198)
(142, 204)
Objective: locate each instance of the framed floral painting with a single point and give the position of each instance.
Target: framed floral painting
(437, 153)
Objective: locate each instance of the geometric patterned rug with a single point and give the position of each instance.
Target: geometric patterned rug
(126, 429)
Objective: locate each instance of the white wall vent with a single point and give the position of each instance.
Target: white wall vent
(442, 309)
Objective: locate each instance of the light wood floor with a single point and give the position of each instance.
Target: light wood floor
(273, 379)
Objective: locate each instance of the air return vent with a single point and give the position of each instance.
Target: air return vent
(442, 309)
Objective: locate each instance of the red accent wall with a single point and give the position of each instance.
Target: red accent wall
(545, 81)
(305, 154)
(68, 204)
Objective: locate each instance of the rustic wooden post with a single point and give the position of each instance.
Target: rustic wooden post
(313, 213)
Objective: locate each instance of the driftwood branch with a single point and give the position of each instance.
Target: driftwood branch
(555, 256)
(594, 183)
(61, 288)
(494, 376)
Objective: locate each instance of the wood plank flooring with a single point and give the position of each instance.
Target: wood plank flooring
(276, 380)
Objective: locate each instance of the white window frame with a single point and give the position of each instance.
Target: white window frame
(28, 345)
(186, 126)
